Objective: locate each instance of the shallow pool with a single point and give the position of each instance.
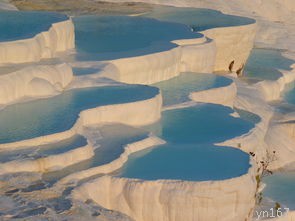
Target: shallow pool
(177, 90)
(57, 114)
(16, 25)
(112, 37)
(203, 123)
(196, 18)
(263, 64)
(190, 153)
(280, 187)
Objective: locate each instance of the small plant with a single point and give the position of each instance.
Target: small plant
(270, 157)
(262, 171)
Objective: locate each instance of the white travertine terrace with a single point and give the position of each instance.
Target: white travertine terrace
(272, 90)
(49, 163)
(34, 82)
(280, 135)
(164, 199)
(188, 200)
(149, 142)
(60, 37)
(136, 113)
(174, 200)
(193, 200)
(221, 95)
(201, 55)
(233, 44)
(274, 17)
(194, 55)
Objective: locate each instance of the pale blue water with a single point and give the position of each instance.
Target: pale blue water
(263, 64)
(112, 37)
(281, 188)
(189, 153)
(43, 150)
(177, 90)
(59, 113)
(187, 162)
(205, 123)
(16, 25)
(196, 18)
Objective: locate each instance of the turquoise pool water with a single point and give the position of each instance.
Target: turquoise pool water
(204, 123)
(263, 64)
(196, 18)
(44, 150)
(190, 153)
(281, 188)
(59, 113)
(112, 37)
(16, 25)
(177, 90)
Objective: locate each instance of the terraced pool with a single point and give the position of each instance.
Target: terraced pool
(47, 116)
(109, 145)
(44, 150)
(177, 90)
(190, 153)
(264, 64)
(16, 25)
(112, 37)
(197, 19)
